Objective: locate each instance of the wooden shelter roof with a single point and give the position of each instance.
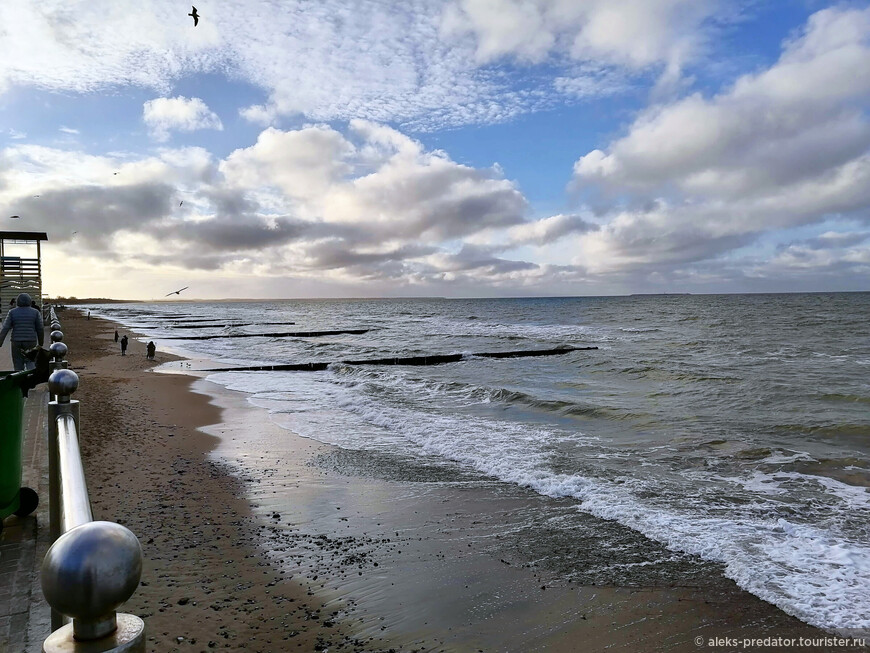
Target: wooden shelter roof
(23, 235)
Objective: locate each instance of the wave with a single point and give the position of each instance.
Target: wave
(846, 398)
(660, 373)
(639, 330)
(825, 430)
(562, 407)
(426, 389)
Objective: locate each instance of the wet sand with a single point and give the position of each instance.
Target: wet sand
(316, 548)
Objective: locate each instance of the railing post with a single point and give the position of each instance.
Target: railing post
(87, 574)
(58, 350)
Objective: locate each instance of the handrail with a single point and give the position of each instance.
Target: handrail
(75, 509)
(92, 567)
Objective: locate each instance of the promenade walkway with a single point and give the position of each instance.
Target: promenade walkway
(25, 619)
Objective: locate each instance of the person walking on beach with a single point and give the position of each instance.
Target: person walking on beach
(116, 335)
(150, 349)
(27, 328)
(124, 346)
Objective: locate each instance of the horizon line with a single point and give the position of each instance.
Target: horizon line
(97, 300)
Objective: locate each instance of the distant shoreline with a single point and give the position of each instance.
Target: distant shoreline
(73, 301)
(104, 300)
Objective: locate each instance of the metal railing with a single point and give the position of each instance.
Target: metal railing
(92, 566)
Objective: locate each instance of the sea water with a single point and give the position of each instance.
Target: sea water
(732, 427)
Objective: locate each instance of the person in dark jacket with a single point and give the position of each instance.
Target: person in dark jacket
(28, 331)
(123, 345)
(150, 349)
(116, 335)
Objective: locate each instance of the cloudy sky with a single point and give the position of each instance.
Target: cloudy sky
(345, 148)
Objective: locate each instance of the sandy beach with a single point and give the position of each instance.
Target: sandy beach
(204, 585)
(340, 551)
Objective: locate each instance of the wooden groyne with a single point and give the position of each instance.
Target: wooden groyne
(293, 334)
(219, 325)
(436, 359)
(191, 320)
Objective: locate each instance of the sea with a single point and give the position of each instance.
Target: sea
(734, 429)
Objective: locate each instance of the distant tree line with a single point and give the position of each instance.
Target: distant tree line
(89, 300)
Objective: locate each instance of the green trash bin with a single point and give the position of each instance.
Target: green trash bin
(14, 499)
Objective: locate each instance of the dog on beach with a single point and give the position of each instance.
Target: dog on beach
(42, 370)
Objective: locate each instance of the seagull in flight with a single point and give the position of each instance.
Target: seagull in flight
(177, 292)
(14, 217)
(195, 16)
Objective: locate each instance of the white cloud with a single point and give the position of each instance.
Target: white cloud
(304, 163)
(785, 146)
(793, 120)
(831, 257)
(633, 33)
(548, 230)
(259, 114)
(68, 130)
(375, 180)
(370, 204)
(372, 60)
(163, 115)
(592, 82)
(84, 46)
(336, 59)
(344, 59)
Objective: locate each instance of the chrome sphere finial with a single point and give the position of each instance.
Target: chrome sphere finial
(90, 571)
(63, 382)
(55, 325)
(58, 350)
(56, 336)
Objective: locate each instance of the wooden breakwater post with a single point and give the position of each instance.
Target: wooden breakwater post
(291, 334)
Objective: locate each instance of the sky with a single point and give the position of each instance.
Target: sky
(458, 148)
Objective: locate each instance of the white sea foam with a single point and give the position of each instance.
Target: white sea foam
(782, 458)
(757, 482)
(854, 497)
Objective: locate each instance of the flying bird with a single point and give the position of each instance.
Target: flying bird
(181, 202)
(195, 16)
(177, 292)
(14, 217)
